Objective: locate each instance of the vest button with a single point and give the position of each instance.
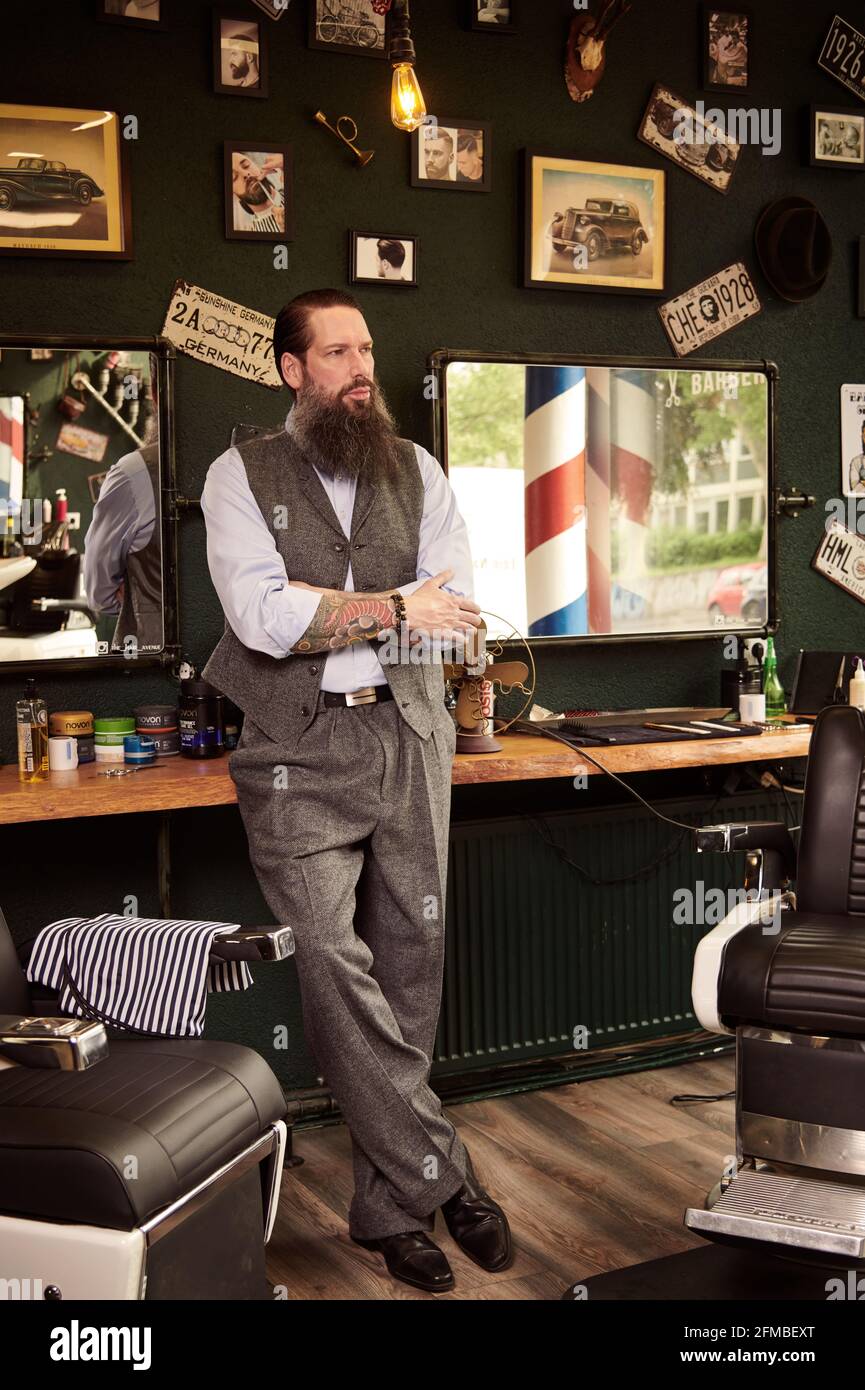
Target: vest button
(313, 670)
(304, 709)
(339, 548)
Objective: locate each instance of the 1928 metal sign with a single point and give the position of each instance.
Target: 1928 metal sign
(709, 309)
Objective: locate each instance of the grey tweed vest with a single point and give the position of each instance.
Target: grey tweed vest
(280, 693)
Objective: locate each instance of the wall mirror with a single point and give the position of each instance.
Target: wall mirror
(88, 570)
(613, 498)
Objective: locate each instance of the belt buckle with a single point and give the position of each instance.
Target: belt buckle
(365, 696)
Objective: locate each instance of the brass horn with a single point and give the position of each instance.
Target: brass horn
(362, 156)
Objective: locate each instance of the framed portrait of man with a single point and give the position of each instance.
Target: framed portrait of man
(258, 192)
(239, 55)
(376, 258)
(447, 152)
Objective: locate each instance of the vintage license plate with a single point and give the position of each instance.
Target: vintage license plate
(709, 309)
(841, 557)
(843, 56)
(222, 334)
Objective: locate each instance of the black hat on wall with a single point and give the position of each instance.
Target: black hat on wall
(794, 247)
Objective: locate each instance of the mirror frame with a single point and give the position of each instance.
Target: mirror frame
(165, 354)
(438, 363)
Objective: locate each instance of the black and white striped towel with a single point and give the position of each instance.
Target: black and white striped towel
(150, 974)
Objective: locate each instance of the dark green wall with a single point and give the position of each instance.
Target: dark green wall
(469, 297)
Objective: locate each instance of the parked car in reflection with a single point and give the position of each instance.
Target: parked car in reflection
(756, 597)
(727, 595)
(36, 181)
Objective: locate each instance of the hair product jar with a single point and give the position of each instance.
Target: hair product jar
(77, 724)
(109, 735)
(201, 720)
(159, 722)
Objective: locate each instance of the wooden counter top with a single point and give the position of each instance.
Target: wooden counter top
(180, 782)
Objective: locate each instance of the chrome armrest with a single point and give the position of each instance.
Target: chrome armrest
(59, 1044)
(770, 844)
(254, 943)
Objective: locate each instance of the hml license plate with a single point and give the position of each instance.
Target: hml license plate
(841, 557)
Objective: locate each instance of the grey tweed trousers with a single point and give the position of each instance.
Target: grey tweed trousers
(348, 837)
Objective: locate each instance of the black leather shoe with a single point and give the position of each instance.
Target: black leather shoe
(478, 1224)
(415, 1259)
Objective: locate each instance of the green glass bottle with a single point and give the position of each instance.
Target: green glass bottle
(776, 704)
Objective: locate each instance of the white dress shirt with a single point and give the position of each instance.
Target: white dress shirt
(249, 574)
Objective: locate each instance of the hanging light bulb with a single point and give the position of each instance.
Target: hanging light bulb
(407, 109)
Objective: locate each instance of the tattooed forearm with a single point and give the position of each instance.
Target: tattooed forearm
(343, 618)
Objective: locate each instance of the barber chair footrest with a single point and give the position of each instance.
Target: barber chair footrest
(808, 1215)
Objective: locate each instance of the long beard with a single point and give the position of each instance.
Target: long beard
(345, 441)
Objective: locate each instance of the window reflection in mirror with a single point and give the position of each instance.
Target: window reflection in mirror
(612, 501)
(80, 514)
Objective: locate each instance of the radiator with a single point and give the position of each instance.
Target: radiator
(535, 952)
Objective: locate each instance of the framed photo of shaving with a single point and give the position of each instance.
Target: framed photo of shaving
(259, 205)
(239, 55)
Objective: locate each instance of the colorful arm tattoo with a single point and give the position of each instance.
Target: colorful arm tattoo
(343, 618)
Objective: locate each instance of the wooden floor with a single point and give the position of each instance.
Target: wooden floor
(592, 1176)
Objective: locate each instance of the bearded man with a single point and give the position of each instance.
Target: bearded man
(326, 540)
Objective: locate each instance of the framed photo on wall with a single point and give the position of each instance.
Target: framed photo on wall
(837, 137)
(450, 153)
(727, 37)
(492, 16)
(70, 197)
(376, 259)
(146, 14)
(348, 26)
(259, 201)
(593, 226)
(239, 55)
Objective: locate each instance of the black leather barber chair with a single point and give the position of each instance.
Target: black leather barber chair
(131, 1167)
(56, 577)
(790, 984)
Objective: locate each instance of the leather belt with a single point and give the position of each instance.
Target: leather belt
(367, 695)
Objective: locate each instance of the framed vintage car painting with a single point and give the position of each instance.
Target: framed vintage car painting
(593, 226)
(64, 188)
